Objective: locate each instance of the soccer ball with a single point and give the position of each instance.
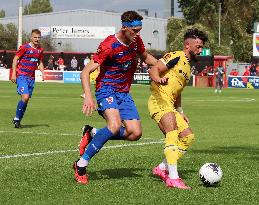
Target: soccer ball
(210, 174)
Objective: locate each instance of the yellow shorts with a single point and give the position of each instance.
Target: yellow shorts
(158, 107)
(93, 77)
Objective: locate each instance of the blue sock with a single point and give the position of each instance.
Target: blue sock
(20, 110)
(101, 137)
(120, 135)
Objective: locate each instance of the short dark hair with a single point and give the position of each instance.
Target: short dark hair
(130, 16)
(37, 31)
(196, 33)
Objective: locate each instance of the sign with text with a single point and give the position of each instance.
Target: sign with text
(141, 78)
(251, 82)
(45, 31)
(53, 76)
(94, 32)
(72, 77)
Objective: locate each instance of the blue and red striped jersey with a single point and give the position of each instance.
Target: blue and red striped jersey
(118, 63)
(29, 58)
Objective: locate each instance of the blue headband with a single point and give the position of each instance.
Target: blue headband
(134, 23)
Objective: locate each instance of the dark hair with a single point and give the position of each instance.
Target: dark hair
(37, 31)
(130, 16)
(195, 33)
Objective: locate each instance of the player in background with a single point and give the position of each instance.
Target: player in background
(169, 76)
(26, 60)
(219, 78)
(117, 58)
(93, 75)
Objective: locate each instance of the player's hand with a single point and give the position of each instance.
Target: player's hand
(88, 106)
(163, 80)
(185, 118)
(13, 78)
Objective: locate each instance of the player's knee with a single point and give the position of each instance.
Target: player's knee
(134, 135)
(25, 98)
(114, 126)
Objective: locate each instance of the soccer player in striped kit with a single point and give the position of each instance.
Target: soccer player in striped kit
(117, 58)
(26, 60)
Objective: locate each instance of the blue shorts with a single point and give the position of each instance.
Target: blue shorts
(122, 102)
(25, 85)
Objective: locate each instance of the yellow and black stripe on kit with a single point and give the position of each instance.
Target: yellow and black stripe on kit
(163, 97)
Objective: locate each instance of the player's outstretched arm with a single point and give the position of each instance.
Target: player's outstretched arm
(156, 71)
(89, 103)
(148, 58)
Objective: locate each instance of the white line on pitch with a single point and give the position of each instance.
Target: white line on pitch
(46, 133)
(75, 150)
(38, 133)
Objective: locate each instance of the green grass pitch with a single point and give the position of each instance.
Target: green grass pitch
(36, 161)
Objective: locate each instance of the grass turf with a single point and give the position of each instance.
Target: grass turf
(226, 128)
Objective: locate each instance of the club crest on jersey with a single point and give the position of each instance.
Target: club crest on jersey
(167, 56)
(21, 89)
(98, 50)
(109, 100)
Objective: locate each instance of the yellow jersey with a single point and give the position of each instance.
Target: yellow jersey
(178, 73)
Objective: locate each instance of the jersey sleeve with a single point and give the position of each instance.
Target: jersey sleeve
(102, 53)
(20, 51)
(140, 44)
(170, 59)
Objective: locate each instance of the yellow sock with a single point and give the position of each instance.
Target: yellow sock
(171, 147)
(184, 143)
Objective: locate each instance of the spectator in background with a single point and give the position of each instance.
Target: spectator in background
(139, 66)
(50, 65)
(61, 65)
(219, 78)
(257, 69)
(144, 67)
(234, 72)
(74, 63)
(2, 65)
(246, 72)
(253, 70)
(86, 61)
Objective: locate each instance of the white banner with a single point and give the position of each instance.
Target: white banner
(256, 44)
(81, 32)
(4, 74)
(45, 31)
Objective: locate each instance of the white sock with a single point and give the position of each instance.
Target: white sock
(16, 118)
(93, 132)
(173, 173)
(163, 165)
(82, 162)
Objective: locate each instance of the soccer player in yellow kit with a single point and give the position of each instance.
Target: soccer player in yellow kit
(95, 73)
(169, 76)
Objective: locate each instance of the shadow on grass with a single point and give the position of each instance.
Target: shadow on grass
(118, 173)
(247, 152)
(229, 150)
(37, 125)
